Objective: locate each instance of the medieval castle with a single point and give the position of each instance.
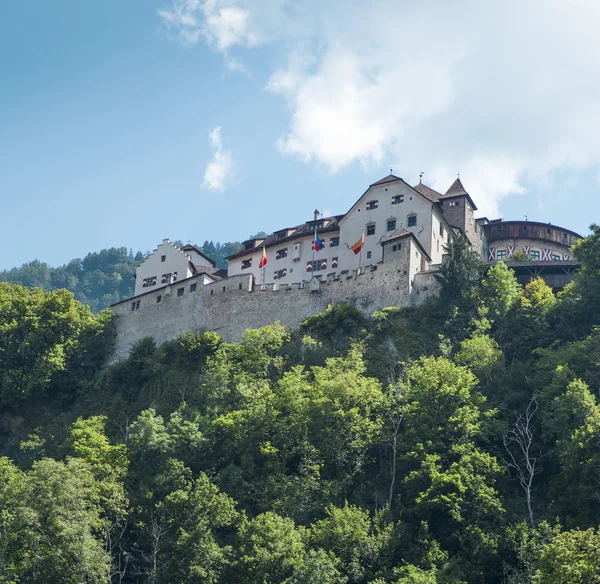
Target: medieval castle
(385, 251)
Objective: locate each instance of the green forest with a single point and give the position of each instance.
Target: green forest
(456, 442)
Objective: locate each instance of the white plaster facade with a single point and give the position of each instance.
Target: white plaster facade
(288, 260)
(168, 263)
(384, 207)
(534, 248)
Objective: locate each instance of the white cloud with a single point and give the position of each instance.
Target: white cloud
(220, 23)
(506, 92)
(235, 65)
(219, 173)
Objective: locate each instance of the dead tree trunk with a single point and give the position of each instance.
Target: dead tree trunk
(396, 415)
(518, 443)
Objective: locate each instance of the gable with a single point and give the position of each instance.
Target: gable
(385, 189)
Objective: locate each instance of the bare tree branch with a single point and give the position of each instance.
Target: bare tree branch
(519, 445)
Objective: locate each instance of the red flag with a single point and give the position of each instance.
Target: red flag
(358, 245)
(263, 259)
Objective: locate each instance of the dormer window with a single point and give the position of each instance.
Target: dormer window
(249, 245)
(372, 205)
(281, 235)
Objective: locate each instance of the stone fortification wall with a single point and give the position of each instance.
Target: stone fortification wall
(425, 285)
(232, 305)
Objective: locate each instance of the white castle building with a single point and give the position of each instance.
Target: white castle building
(388, 211)
(403, 230)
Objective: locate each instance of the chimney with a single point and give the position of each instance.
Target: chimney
(316, 214)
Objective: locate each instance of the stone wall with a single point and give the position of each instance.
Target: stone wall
(232, 305)
(425, 285)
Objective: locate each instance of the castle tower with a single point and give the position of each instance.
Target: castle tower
(458, 208)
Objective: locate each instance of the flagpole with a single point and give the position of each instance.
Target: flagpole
(263, 268)
(360, 253)
(314, 248)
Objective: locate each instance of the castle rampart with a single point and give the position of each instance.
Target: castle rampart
(232, 305)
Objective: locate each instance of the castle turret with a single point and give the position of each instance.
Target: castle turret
(458, 208)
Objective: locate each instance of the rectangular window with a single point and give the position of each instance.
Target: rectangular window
(319, 265)
(500, 254)
(163, 258)
(137, 305)
(282, 253)
(555, 257)
(371, 229)
(193, 287)
(412, 221)
(368, 255)
(158, 299)
(132, 306)
(441, 230)
(372, 205)
(397, 199)
(334, 242)
(281, 273)
(534, 254)
(167, 278)
(391, 225)
(179, 292)
(246, 264)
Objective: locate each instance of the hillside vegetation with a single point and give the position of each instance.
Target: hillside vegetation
(457, 442)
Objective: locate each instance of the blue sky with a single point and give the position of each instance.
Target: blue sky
(122, 123)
